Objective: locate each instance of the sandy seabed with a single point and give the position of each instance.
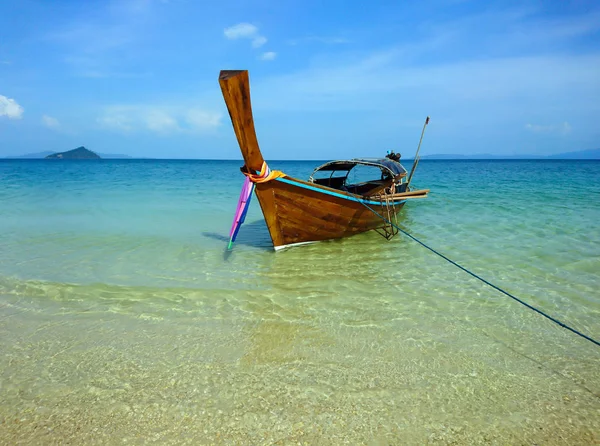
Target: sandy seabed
(286, 374)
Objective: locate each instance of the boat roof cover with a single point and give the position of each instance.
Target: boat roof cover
(394, 167)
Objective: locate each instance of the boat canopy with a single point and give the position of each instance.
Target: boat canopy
(394, 168)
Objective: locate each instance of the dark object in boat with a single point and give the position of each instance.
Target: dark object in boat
(299, 212)
(393, 156)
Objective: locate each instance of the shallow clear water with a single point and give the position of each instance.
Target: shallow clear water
(123, 318)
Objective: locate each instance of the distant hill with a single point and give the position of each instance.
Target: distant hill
(31, 155)
(41, 155)
(114, 156)
(79, 153)
(479, 156)
(593, 154)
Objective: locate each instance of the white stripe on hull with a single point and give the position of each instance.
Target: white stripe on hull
(279, 248)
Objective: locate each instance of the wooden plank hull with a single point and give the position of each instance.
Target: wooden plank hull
(298, 212)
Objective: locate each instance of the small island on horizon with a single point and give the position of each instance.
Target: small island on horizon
(79, 153)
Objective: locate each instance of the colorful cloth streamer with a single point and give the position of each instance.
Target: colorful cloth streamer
(264, 175)
(242, 209)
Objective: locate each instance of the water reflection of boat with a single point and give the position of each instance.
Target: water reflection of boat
(328, 205)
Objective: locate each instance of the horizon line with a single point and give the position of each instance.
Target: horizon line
(424, 158)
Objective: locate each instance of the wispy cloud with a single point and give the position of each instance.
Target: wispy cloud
(513, 30)
(5, 62)
(258, 41)
(472, 103)
(116, 120)
(203, 120)
(10, 109)
(104, 44)
(159, 119)
(245, 31)
(89, 38)
(241, 30)
(94, 68)
(563, 27)
(561, 129)
(269, 55)
(454, 65)
(50, 122)
(319, 39)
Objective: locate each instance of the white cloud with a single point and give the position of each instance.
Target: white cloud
(563, 129)
(50, 122)
(10, 108)
(357, 83)
(114, 120)
(202, 120)
(318, 39)
(269, 55)
(259, 41)
(158, 119)
(241, 30)
(536, 128)
(245, 31)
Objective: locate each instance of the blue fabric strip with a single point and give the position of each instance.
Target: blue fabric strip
(334, 194)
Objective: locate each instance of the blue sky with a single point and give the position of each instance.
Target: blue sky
(329, 79)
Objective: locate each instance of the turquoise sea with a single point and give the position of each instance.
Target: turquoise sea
(124, 320)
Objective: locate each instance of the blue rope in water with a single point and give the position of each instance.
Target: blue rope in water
(556, 321)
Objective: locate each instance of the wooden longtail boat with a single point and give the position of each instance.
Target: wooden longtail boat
(299, 212)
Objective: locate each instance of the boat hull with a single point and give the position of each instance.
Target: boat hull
(297, 212)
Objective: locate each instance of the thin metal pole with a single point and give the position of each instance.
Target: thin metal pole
(416, 160)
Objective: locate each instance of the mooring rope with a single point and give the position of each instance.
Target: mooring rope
(531, 307)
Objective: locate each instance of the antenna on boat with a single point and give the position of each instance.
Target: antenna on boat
(416, 160)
